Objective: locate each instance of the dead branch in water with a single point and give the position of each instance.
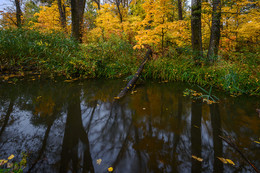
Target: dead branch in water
(132, 82)
(229, 142)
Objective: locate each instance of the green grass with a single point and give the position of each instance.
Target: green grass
(56, 53)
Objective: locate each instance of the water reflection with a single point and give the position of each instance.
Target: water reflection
(67, 127)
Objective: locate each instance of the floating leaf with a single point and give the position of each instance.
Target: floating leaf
(226, 160)
(9, 165)
(230, 161)
(257, 142)
(116, 97)
(197, 158)
(99, 161)
(68, 81)
(110, 169)
(2, 162)
(11, 157)
(222, 160)
(144, 108)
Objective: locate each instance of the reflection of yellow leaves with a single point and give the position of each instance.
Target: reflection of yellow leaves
(2, 162)
(110, 169)
(38, 97)
(11, 157)
(226, 160)
(197, 158)
(257, 142)
(99, 161)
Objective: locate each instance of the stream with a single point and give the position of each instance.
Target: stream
(77, 127)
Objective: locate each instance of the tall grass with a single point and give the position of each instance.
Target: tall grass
(57, 53)
(31, 49)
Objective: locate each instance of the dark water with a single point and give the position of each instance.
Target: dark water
(69, 126)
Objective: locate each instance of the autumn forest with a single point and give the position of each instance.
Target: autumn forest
(210, 43)
(130, 86)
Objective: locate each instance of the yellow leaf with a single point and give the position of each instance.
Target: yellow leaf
(11, 157)
(68, 81)
(197, 158)
(222, 160)
(230, 161)
(116, 97)
(99, 161)
(9, 165)
(2, 162)
(110, 169)
(257, 142)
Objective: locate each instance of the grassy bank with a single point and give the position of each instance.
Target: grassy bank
(57, 54)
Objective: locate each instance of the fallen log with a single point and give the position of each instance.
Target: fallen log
(132, 82)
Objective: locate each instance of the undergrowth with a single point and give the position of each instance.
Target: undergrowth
(56, 53)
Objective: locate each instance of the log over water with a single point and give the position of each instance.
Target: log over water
(132, 82)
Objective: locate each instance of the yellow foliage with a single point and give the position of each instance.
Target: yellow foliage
(8, 20)
(157, 27)
(49, 18)
(240, 24)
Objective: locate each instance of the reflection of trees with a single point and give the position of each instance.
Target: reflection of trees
(74, 131)
(217, 142)
(7, 115)
(196, 114)
(161, 137)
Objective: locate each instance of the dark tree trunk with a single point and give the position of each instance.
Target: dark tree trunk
(98, 3)
(180, 10)
(119, 11)
(62, 11)
(77, 11)
(215, 31)
(18, 13)
(196, 30)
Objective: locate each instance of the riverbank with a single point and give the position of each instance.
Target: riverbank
(24, 51)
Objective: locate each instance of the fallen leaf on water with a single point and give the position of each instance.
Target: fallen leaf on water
(68, 81)
(9, 165)
(116, 97)
(257, 142)
(230, 161)
(110, 169)
(144, 108)
(11, 157)
(226, 160)
(197, 158)
(222, 160)
(196, 126)
(2, 162)
(99, 161)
